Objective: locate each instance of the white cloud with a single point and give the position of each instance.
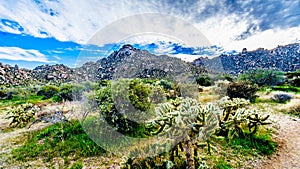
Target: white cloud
(79, 20)
(187, 57)
(57, 57)
(15, 53)
(75, 21)
(268, 39)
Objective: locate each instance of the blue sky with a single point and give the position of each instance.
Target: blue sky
(34, 32)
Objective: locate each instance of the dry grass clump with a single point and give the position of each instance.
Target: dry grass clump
(220, 88)
(207, 95)
(206, 98)
(292, 107)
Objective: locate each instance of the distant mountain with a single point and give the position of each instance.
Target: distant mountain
(127, 62)
(284, 58)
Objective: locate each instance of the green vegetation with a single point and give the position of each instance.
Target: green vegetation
(69, 92)
(263, 77)
(261, 143)
(77, 165)
(216, 132)
(48, 91)
(15, 101)
(294, 78)
(203, 80)
(58, 140)
(239, 128)
(139, 94)
(223, 165)
(286, 88)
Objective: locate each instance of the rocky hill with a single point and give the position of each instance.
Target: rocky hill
(13, 75)
(127, 62)
(284, 58)
(130, 62)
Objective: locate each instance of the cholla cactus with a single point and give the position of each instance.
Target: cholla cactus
(22, 114)
(255, 121)
(233, 124)
(234, 115)
(230, 106)
(186, 119)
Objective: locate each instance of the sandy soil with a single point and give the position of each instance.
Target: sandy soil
(287, 135)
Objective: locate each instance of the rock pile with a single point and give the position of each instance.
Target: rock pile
(46, 73)
(58, 73)
(14, 75)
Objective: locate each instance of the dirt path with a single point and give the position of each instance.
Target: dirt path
(287, 135)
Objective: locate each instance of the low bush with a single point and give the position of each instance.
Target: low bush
(220, 88)
(242, 89)
(203, 80)
(281, 97)
(88, 85)
(69, 92)
(48, 91)
(294, 110)
(296, 82)
(3, 93)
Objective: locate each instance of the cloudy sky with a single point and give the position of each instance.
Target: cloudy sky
(34, 32)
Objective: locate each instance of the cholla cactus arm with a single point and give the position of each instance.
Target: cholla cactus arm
(255, 121)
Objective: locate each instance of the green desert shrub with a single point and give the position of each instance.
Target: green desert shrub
(69, 92)
(122, 102)
(48, 91)
(293, 78)
(3, 93)
(242, 89)
(88, 85)
(203, 80)
(296, 82)
(139, 94)
(263, 77)
(167, 85)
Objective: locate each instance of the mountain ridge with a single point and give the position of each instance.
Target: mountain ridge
(127, 62)
(284, 58)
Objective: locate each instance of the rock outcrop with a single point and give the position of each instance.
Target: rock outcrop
(284, 58)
